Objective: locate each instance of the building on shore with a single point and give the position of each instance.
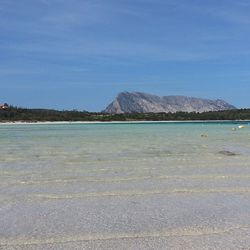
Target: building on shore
(4, 106)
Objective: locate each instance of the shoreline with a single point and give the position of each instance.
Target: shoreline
(116, 122)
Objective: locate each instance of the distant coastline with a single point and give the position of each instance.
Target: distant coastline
(22, 115)
(117, 122)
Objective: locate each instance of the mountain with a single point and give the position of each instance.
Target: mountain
(137, 102)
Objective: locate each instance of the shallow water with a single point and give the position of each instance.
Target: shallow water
(75, 186)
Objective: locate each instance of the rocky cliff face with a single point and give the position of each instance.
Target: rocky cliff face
(137, 102)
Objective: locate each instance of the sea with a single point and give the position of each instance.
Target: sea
(137, 185)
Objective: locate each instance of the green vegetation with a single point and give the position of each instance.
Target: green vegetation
(35, 115)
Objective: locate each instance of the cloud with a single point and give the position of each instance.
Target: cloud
(112, 49)
(230, 11)
(132, 31)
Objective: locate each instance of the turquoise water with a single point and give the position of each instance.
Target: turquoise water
(99, 181)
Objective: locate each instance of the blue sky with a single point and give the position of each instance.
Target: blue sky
(80, 53)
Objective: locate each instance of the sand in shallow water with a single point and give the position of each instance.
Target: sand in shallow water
(124, 186)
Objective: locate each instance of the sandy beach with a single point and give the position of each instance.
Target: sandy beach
(124, 125)
(119, 122)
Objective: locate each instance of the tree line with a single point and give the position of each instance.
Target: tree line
(13, 114)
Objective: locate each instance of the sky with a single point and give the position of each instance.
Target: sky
(79, 54)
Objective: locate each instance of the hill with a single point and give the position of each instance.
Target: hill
(136, 102)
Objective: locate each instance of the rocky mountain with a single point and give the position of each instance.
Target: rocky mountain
(136, 102)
